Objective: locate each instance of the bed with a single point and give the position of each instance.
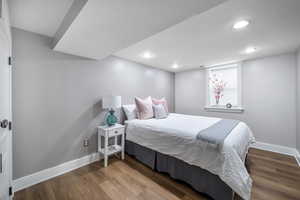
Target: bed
(170, 145)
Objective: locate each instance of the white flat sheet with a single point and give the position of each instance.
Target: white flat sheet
(176, 136)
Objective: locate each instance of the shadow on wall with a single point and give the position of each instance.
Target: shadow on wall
(82, 126)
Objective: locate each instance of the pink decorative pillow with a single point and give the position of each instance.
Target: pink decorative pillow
(162, 101)
(144, 107)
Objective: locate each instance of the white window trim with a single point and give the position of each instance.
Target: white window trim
(221, 108)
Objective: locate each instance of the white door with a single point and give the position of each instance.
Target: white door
(5, 116)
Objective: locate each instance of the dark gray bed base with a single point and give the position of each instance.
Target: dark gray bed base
(201, 180)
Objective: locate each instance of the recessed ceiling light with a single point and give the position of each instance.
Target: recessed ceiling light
(147, 55)
(250, 50)
(241, 24)
(175, 66)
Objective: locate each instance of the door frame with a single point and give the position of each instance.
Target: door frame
(6, 31)
(9, 115)
(10, 121)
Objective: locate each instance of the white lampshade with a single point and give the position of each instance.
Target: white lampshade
(111, 102)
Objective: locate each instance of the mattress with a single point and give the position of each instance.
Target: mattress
(176, 136)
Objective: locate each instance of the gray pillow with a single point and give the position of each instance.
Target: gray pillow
(159, 111)
(130, 111)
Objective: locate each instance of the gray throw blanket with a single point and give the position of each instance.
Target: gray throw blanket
(217, 133)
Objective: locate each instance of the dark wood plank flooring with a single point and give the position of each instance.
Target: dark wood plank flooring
(275, 176)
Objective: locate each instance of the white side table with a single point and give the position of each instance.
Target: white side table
(107, 132)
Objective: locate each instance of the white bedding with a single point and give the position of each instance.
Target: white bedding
(176, 136)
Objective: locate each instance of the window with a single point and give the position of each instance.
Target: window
(224, 88)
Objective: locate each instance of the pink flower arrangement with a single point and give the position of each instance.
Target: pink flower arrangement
(218, 87)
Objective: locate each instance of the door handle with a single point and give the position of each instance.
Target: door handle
(4, 123)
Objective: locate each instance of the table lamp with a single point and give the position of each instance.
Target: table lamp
(111, 103)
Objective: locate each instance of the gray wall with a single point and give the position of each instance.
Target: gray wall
(268, 95)
(298, 100)
(56, 100)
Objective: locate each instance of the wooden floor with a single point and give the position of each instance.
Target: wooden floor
(276, 177)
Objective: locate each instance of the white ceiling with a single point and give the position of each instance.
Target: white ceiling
(208, 38)
(105, 26)
(39, 16)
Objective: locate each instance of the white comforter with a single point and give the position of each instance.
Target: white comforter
(176, 136)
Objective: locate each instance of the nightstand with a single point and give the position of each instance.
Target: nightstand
(106, 132)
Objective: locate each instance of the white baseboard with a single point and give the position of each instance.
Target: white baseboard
(298, 157)
(52, 172)
(278, 149)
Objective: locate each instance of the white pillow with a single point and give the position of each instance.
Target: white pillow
(160, 111)
(130, 111)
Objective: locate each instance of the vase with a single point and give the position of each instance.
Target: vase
(111, 119)
(217, 97)
(217, 101)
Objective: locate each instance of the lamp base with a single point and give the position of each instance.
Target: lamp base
(111, 119)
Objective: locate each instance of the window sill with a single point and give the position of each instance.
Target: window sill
(224, 109)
